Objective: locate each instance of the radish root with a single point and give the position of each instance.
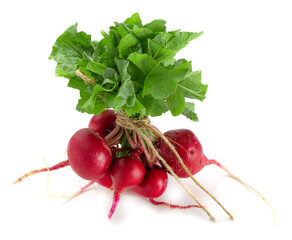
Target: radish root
(214, 162)
(116, 200)
(169, 205)
(64, 196)
(55, 167)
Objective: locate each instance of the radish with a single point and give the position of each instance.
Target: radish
(191, 153)
(127, 172)
(88, 154)
(106, 180)
(188, 147)
(103, 123)
(153, 184)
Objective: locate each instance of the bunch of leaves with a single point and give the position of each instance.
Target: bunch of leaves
(131, 68)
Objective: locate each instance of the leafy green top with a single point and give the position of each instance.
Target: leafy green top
(132, 68)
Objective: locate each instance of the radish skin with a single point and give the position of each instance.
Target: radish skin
(154, 182)
(88, 154)
(127, 172)
(187, 146)
(106, 180)
(104, 123)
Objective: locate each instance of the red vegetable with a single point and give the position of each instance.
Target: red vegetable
(103, 123)
(153, 184)
(88, 154)
(127, 172)
(189, 149)
(106, 180)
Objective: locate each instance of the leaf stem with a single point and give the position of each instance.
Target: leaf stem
(188, 90)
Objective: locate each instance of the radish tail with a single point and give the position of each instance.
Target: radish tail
(116, 200)
(212, 161)
(82, 190)
(172, 205)
(64, 196)
(55, 167)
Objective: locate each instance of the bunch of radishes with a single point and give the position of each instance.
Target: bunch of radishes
(91, 157)
(94, 158)
(96, 154)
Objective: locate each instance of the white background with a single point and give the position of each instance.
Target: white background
(245, 122)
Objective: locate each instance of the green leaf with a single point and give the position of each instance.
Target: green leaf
(96, 67)
(96, 51)
(193, 87)
(176, 40)
(153, 106)
(126, 44)
(176, 102)
(143, 62)
(134, 20)
(181, 39)
(133, 68)
(158, 52)
(81, 66)
(189, 111)
(110, 100)
(126, 94)
(136, 75)
(122, 29)
(111, 79)
(115, 35)
(181, 68)
(77, 83)
(136, 108)
(107, 50)
(88, 102)
(123, 69)
(95, 103)
(159, 82)
(99, 89)
(69, 49)
(143, 34)
(157, 25)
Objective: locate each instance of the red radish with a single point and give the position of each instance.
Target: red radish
(127, 172)
(103, 123)
(154, 182)
(190, 151)
(88, 154)
(153, 186)
(106, 180)
(188, 147)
